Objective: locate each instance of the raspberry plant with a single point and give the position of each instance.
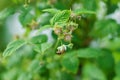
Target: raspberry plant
(71, 41)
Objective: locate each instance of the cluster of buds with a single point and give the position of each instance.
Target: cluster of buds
(64, 33)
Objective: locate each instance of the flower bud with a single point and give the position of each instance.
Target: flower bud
(67, 37)
(73, 16)
(70, 45)
(57, 30)
(61, 49)
(71, 26)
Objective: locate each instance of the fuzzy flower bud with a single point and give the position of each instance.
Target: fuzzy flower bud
(61, 49)
(71, 26)
(67, 37)
(57, 30)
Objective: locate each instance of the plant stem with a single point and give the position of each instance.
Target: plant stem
(57, 42)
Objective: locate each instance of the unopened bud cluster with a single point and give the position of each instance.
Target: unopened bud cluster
(64, 33)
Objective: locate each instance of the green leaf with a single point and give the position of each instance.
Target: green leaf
(34, 66)
(104, 28)
(107, 58)
(5, 13)
(115, 1)
(24, 76)
(25, 19)
(66, 76)
(11, 74)
(43, 28)
(83, 11)
(92, 72)
(70, 63)
(45, 46)
(52, 11)
(26, 16)
(90, 4)
(44, 19)
(13, 46)
(112, 44)
(60, 17)
(89, 53)
(117, 69)
(38, 39)
(51, 65)
(116, 78)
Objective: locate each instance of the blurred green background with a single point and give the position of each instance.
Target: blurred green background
(99, 33)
